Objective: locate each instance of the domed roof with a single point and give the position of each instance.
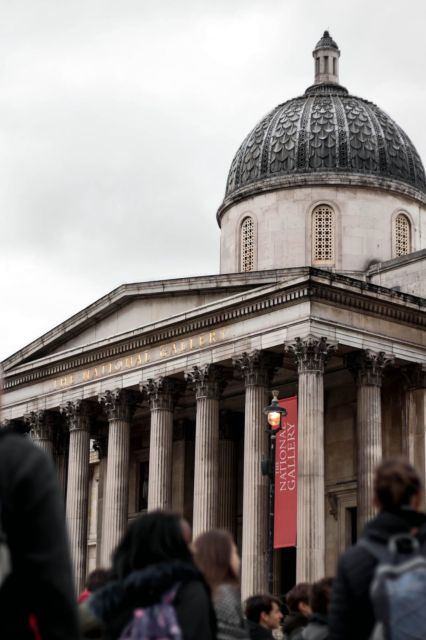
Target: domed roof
(322, 133)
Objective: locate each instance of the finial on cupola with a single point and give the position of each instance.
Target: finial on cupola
(326, 55)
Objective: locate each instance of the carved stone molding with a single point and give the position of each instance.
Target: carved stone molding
(257, 367)
(311, 353)
(161, 393)
(367, 366)
(208, 380)
(414, 377)
(77, 414)
(118, 404)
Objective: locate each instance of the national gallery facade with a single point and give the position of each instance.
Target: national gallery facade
(153, 396)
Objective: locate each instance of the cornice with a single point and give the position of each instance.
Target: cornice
(315, 285)
(323, 179)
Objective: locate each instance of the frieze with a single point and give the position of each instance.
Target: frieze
(142, 350)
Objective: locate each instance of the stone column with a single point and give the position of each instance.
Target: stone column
(414, 417)
(78, 414)
(310, 354)
(207, 381)
(41, 429)
(100, 444)
(227, 474)
(119, 405)
(367, 368)
(161, 400)
(256, 369)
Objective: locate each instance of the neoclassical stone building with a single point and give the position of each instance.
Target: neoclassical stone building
(153, 395)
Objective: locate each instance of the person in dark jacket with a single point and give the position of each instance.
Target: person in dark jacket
(38, 595)
(263, 613)
(317, 627)
(297, 600)
(152, 559)
(397, 494)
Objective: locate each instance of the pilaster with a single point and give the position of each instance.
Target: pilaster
(41, 425)
(414, 417)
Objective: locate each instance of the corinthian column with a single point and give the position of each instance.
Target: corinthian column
(310, 354)
(100, 444)
(367, 368)
(161, 400)
(77, 414)
(119, 405)
(41, 429)
(207, 382)
(256, 369)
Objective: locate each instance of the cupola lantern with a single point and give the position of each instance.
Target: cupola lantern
(326, 55)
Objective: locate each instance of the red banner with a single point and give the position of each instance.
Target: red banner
(285, 525)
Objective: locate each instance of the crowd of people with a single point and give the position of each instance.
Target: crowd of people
(164, 585)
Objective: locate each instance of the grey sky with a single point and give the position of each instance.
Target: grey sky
(119, 120)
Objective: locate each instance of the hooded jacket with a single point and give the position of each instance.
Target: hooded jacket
(40, 585)
(106, 613)
(351, 614)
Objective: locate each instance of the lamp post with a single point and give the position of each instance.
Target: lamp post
(274, 414)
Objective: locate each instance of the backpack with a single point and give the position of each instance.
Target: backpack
(157, 622)
(398, 589)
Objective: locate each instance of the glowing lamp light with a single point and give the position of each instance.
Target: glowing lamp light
(274, 412)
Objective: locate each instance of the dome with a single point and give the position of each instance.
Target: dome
(325, 136)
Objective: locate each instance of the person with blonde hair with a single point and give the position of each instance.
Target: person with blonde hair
(216, 555)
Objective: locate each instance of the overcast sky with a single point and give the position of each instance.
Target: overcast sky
(119, 121)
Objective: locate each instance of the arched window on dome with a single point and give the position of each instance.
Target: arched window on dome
(323, 235)
(247, 244)
(401, 235)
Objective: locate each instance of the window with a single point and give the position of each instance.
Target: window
(247, 244)
(401, 236)
(323, 235)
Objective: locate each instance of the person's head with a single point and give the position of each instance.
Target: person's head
(97, 578)
(298, 598)
(396, 484)
(264, 610)
(216, 555)
(152, 538)
(321, 595)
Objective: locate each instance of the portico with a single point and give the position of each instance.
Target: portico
(171, 413)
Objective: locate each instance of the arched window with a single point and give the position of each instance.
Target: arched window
(401, 235)
(247, 244)
(323, 235)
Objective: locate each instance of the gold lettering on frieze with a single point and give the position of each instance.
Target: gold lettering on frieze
(139, 359)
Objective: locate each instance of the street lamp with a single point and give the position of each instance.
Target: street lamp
(274, 414)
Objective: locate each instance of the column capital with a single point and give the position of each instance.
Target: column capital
(367, 366)
(311, 353)
(77, 414)
(41, 424)
(208, 380)
(161, 393)
(18, 425)
(118, 404)
(414, 376)
(256, 367)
